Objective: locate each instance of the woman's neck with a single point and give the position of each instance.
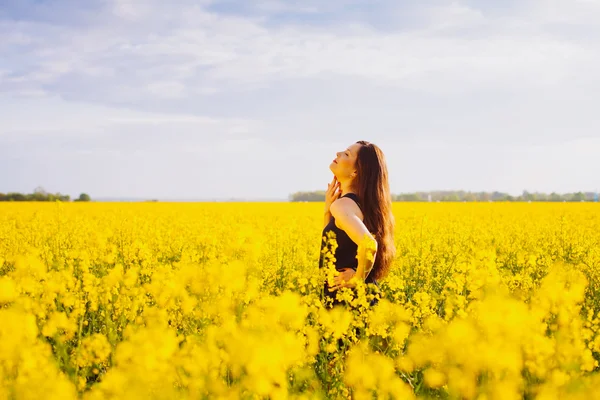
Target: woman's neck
(347, 187)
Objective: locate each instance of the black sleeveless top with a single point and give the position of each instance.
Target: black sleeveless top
(345, 253)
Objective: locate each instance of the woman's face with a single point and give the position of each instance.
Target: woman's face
(344, 163)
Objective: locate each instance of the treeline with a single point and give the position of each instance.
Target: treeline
(308, 196)
(494, 196)
(41, 195)
(461, 195)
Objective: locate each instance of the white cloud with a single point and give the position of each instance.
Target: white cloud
(192, 47)
(166, 89)
(453, 15)
(275, 6)
(52, 117)
(563, 11)
(129, 10)
(449, 83)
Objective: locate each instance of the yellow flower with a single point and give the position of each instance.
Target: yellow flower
(8, 290)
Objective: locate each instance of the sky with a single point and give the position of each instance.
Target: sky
(252, 99)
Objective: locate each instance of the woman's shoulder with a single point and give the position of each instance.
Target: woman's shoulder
(350, 198)
(353, 196)
(348, 203)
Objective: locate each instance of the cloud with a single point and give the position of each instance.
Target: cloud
(295, 80)
(55, 128)
(189, 50)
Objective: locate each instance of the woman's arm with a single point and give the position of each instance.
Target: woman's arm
(347, 217)
(331, 195)
(327, 219)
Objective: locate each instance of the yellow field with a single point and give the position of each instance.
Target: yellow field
(215, 300)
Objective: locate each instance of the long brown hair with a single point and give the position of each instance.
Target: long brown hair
(376, 201)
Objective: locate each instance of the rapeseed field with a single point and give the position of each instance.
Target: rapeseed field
(223, 300)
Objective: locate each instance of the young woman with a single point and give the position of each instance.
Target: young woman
(358, 211)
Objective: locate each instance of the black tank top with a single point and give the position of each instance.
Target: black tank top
(345, 253)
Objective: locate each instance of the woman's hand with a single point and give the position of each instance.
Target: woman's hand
(345, 278)
(333, 193)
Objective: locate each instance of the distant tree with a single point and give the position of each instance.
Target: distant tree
(451, 197)
(39, 194)
(541, 196)
(470, 197)
(498, 196)
(461, 195)
(83, 197)
(308, 196)
(409, 197)
(483, 196)
(526, 196)
(579, 196)
(17, 196)
(555, 197)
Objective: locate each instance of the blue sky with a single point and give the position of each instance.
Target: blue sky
(251, 99)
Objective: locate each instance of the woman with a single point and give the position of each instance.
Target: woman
(358, 212)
